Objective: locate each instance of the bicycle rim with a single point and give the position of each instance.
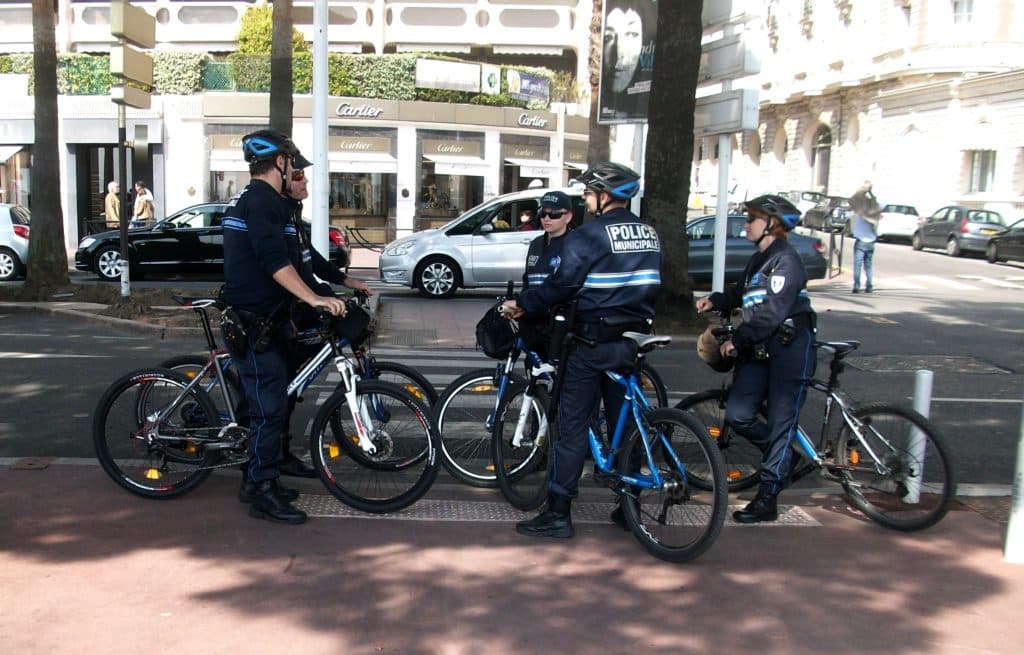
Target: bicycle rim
(918, 485)
(678, 521)
(462, 414)
(406, 377)
(742, 458)
(405, 463)
(154, 459)
(523, 471)
(653, 387)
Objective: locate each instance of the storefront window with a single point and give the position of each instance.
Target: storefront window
(227, 184)
(452, 172)
(14, 177)
(525, 159)
(361, 194)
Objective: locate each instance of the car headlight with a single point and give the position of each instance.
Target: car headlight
(401, 249)
(86, 242)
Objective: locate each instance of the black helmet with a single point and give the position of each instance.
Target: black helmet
(776, 206)
(263, 145)
(616, 180)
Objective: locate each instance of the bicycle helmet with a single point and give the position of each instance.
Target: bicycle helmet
(265, 145)
(618, 181)
(777, 206)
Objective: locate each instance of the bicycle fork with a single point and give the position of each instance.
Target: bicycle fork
(358, 406)
(524, 409)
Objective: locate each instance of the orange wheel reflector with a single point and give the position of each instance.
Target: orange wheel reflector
(854, 457)
(733, 475)
(715, 431)
(482, 388)
(333, 451)
(191, 449)
(153, 474)
(191, 374)
(489, 468)
(414, 391)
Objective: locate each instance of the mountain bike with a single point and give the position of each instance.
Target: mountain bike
(158, 434)
(466, 411)
(892, 463)
(647, 459)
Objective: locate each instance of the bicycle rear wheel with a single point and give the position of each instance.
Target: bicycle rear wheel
(917, 482)
(653, 387)
(405, 463)
(742, 458)
(523, 471)
(150, 458)
(192, 365)
(676, 522)
(406, 377)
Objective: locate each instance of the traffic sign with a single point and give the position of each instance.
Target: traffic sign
(129, 95)
(128, 63)
(132, 24)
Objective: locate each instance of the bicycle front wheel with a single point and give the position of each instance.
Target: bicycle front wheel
(151, 456)
(406, 377)
(404, 463)
(521, 448)
(898, 470)
(675, 521)
(465, 415)
(742, 458)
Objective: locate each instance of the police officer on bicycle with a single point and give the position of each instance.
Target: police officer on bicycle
(773, 346)
(262, 281)
(611, 267)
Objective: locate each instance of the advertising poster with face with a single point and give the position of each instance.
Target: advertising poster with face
(627, 60)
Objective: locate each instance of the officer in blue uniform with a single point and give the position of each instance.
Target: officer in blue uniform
(262, 281)
(542, 259)
(611, 266)
(773, 347)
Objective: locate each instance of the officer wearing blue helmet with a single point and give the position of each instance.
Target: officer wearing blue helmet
(611, 267)
(773, 347)
(262, 281)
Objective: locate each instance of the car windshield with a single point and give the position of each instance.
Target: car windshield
(20, 215)
(900, 209)
(984, 216)
(194, 218)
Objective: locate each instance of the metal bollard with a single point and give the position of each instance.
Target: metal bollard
(1013, 551)
(922, 404)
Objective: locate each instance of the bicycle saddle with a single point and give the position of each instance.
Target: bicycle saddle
(648, 342)
(840, 348)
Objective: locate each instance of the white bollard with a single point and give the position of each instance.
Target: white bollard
(1013, 552)
(922, 404)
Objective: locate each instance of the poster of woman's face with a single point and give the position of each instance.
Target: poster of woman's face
(627, 59)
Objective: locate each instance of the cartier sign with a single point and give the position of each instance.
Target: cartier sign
(451, 148)
(225, 142)
(534, 120)
(348, 110)
(526, 120)
(359, 144)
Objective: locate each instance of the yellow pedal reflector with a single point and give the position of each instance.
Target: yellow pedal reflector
(854, 457)
(333, 451)
(489, 468)
(715, 431)
(733, 474)
(482, 388)
(153, 474)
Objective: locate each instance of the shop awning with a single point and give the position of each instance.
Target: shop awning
(6, 152)
(454, 165)
(550, 50)
(366, 162)
(534, 167)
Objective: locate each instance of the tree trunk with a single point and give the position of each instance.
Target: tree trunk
(281, 68)
(597, 147)
(47, 256)
(670, 150)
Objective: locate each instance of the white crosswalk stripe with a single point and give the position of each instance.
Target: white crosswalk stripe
(934, 280)
(1005, 284)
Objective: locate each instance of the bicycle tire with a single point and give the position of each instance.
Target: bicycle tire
(191, 365)
(673, 523)
(462, 414)
(742, 458)
(154, 468)
(652, 385)
(523, 472)
(406, 463)
(884, 498)
(404, 376)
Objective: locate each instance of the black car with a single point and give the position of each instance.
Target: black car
(1007, 245)
(830, 215)
(190, 240)
(700, 233)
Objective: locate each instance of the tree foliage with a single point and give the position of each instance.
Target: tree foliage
(255, 33)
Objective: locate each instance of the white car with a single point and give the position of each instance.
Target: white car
(14, 232)
(480, 248)
(897, 222)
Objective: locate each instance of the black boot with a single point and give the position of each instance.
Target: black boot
(247, 492)
(295, 467)
(764, 507)
(554, 521)
(266, 504)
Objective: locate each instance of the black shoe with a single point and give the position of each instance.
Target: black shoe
(764, 507)
(247, 492)
(266, 504)
(295, 467)
(869, 290)
(618, 517)
(856, 290)
(547, 524)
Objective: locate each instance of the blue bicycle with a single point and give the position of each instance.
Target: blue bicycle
(648, 460)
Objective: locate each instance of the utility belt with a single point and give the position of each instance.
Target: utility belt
(611, 328)
(243, 329)
(787, 333)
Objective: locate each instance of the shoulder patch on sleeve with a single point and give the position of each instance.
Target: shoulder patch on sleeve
(777, 283)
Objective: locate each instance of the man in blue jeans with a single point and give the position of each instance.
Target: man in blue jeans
(866, 213)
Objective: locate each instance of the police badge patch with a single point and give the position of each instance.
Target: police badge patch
(777, 282)
(532, 260)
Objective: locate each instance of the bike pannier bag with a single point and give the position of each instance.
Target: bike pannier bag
(495, 334)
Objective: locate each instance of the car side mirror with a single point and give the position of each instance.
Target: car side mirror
(486, 228)
(168, 227)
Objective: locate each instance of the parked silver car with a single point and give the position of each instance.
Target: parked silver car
(481, 248)
(14, 230)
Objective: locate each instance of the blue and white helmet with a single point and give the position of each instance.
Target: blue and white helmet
(776, 206)
(618, 181)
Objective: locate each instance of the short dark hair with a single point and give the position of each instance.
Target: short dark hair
(140, 183)
(263, 166)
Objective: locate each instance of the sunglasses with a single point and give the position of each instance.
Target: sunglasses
(549, 214)
(298, 175)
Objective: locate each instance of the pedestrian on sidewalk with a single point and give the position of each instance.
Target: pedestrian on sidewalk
(142, 214)
(112, 205)
(865, 220)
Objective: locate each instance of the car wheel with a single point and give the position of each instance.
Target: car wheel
(10, 265)
(108, 265)
(915, 242)
(953, 247)
(437, 277)
(992, 253)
